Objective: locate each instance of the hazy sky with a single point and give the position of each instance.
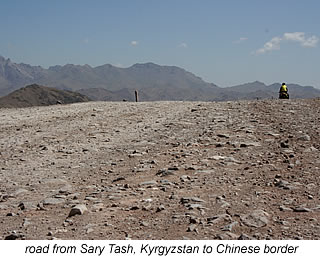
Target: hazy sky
(226, 42)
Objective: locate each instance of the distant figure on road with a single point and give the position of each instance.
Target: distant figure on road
(283, 92)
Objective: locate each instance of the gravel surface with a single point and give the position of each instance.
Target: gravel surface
(161, 170)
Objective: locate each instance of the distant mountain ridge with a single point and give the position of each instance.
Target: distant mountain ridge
(258, 89)
(154, 82)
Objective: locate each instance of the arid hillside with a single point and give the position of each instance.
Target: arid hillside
(35, 95)
(161, 170)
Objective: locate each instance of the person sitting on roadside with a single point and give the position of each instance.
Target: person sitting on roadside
(283, 92)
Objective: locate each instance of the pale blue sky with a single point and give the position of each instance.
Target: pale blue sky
(225, 42)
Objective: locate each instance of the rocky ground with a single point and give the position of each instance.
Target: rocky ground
(161, 170)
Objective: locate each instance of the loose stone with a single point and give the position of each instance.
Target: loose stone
(78, 210)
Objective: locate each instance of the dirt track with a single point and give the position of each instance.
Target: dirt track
(161, 170)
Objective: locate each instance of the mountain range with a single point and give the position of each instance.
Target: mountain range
(153, 82)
